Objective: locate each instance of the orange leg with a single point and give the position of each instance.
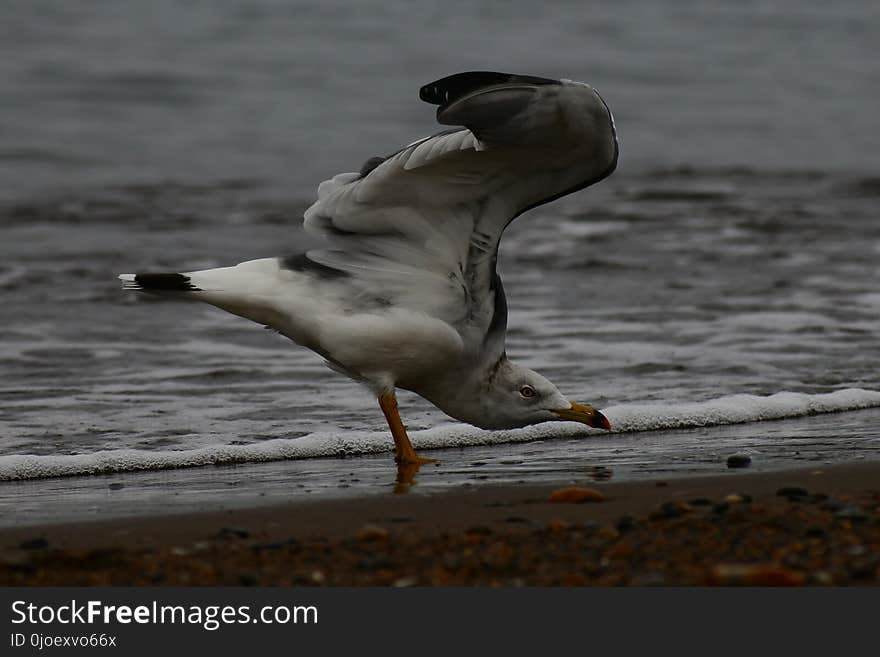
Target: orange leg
(405, 453)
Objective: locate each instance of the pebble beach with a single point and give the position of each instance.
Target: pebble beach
(810, 527)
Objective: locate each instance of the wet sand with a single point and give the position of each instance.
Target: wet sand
(818, 526)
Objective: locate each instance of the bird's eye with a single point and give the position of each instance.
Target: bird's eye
(527, 391)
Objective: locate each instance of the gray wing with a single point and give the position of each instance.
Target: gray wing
(420, 229)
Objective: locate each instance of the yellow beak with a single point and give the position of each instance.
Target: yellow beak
(584, 414)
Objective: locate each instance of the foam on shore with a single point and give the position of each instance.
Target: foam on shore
(625, 418)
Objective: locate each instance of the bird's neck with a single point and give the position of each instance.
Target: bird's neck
(462, 393)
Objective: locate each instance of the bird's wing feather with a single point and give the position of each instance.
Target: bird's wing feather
(433, 213)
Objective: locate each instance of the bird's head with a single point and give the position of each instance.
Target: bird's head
(515, 396)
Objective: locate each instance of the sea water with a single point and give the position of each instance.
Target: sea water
(719, 294)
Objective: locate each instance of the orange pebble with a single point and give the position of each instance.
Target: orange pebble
(754, 575)
(575, 495)
(372, 533)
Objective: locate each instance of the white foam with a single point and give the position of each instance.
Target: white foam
(625, 418)
(736, 409)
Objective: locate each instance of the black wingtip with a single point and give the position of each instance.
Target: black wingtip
(449, 89)
(165, 282)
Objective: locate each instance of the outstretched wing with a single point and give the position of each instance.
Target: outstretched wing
(420, 228)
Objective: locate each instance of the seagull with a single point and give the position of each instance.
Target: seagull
(403, 291)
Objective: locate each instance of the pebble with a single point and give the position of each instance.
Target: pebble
(16, 559)
(576, 495)
(275, 545)
(451, 561)
(233, 532)
(558, 525)
(792, 492)
(372, 533)
(248, 579)
(373, 563)
(822, 578)
(754, 575)
(478, 530)
(851, 513)
(34, 544)
(670, 510)
(739, 461)
(626, 523)
(650, 579)
(738, 498)
(601, 473)
(608, 533)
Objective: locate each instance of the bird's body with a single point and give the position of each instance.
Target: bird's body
(404, 291)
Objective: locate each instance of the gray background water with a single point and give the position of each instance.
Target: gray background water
(734, 250)
(285, 93)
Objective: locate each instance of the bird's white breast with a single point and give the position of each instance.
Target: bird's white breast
(393, 347)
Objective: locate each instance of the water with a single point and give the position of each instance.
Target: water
(734, 252)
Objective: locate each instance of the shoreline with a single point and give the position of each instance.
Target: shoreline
(724, 529)
(792, 444)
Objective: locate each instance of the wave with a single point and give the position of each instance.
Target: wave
(627, 418)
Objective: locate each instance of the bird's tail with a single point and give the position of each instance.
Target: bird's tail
(251, 278)
(248, 289)
(159, 283)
